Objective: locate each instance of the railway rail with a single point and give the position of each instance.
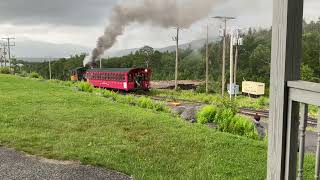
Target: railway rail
(245, 111)
(264, 113)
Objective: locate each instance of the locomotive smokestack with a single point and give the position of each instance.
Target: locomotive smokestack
(164, 13)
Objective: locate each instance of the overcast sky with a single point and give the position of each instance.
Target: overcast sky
(80, 22)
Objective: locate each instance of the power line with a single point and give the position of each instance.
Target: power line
(176, 38)
(224, 19)
(207, 60)
(9, 45)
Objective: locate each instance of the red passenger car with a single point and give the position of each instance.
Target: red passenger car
(127, 79)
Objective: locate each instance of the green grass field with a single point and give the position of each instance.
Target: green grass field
(53, 121)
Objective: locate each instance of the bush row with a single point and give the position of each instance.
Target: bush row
(142, 102)
(129, 99)
(35, 75)
(227, 121)
(4, 70)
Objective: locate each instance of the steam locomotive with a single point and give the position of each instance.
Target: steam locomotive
(125, 79)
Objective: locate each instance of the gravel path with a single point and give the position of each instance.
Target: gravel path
(311, 140)
(18, 166)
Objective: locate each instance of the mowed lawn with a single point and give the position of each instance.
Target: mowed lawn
(49, 120)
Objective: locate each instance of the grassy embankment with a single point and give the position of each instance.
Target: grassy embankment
(53, 121)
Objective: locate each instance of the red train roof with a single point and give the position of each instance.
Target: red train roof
(115, 70)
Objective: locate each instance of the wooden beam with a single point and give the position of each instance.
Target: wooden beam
(305, 85)
(285, 66)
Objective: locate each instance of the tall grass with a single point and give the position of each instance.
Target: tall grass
(143, 102)
(227, 121)
(35, 75)
(85, 87)
(4, 70)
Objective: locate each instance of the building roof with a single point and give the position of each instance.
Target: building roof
(117, 70)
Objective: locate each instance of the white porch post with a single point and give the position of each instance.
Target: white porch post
(285, 66)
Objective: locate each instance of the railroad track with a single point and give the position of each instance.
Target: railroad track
(265, 114)
(245, 111)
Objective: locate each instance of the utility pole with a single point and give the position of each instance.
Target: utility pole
(231, 64)
(238, 44)
(9, 45)
(177, 59)
(236, 63)
(3, 55)
(50, 74)
(207, 60)
(224, 19)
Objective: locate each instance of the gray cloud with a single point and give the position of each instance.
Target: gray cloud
(57, 12)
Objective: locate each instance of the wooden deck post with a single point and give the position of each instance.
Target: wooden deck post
(285, 66)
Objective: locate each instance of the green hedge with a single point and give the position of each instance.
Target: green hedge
(4, 70)
(85, 87)
(227, 121)
(35, 75)
(129, 99)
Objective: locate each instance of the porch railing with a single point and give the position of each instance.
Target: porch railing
(301, 95)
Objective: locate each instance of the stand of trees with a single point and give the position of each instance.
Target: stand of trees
(254, 60)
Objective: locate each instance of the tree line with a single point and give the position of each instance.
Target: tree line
(254, 60)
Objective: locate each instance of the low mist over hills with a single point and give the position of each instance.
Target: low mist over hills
(36, 51)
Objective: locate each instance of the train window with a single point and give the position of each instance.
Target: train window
(130, 77)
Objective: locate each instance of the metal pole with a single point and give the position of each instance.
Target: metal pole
(177, 60)
(9, 53)
(231, 64)
(236, 66)
(5, 55)
(207, 60)
(225, 19)
(100, 63)
(224, 57)
(50, 74)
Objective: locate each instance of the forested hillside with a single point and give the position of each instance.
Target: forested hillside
(254, 59)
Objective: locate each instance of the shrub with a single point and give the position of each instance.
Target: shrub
(23, 74)
(207, 114)
(227, 121)
(35, 75)
(224, 115)
(67, 83)
(144, 102)
(230, 104)
(110, 94)
(56, 81)
(243, 126)
(262, 101)
(85, 87)
(160, 106)
(202, 88)
(4, 70)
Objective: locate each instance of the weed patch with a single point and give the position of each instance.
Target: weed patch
(227, 121)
